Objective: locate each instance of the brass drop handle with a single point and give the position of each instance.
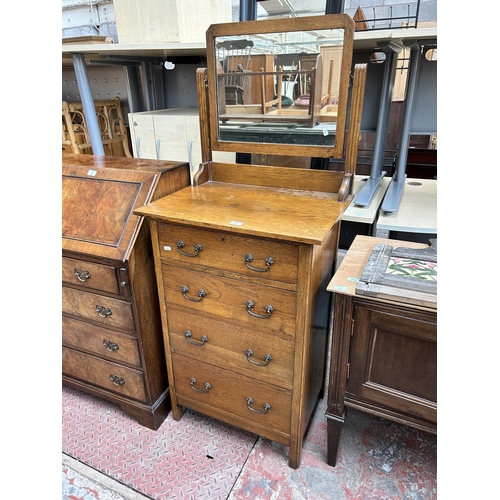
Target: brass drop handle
(188, 336)
(267, 407)
(197, 248)
(82, 275)
(207, 386)
(103, 312)
(116, 380)
(251, 305)
(110, 346)
(267, 358)
(185, 290)
(249, 258)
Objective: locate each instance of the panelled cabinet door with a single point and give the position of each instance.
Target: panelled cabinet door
(394, 360)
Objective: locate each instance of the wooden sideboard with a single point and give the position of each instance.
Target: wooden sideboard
(383, 353)
(111, 326)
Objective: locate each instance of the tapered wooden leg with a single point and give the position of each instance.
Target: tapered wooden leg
(334, 430)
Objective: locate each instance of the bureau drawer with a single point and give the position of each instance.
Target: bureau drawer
(87, 368)
(90, 275)
(95, 307)
(103, 342)
(229, 252)
(228, 392)
(261, 355)
(231, 300)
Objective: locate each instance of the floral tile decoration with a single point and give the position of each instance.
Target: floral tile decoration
(412, 268)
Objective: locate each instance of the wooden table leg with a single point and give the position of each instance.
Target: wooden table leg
(341, 338)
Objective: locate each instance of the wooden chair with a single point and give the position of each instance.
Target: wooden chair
(234, 56)
(75, 134)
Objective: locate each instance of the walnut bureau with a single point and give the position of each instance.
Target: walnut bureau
(384, 349)
(111, 327)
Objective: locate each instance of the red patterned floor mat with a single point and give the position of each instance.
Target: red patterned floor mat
(197, 457)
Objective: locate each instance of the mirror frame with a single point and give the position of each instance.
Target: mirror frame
(307, 23)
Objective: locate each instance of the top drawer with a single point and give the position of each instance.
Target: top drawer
(90, 275)
(246, 255)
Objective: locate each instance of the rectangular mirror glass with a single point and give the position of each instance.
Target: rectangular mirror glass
(278, 86)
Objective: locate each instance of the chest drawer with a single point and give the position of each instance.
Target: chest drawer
(229, 392)
(110, 344)
(90, 275)
(246, 255)
(110, 376)
(264, 356)
(105, 310)
(251, 305)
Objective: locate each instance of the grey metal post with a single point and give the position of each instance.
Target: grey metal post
(368, 190)
(88, 104)
(395, 189)
(248, 10)
(334, 7)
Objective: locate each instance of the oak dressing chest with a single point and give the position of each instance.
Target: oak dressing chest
(244, 255)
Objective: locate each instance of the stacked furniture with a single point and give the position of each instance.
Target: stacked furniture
(243, 258)
(111, 328)
(75, 132)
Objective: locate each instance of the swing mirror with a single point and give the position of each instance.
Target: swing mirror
(280, 86)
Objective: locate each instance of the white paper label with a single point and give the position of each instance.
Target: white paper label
(167, 248)
(93, 173)
(356, 280)
(340, 288)
(236, 223)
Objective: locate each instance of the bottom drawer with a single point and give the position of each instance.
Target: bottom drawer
(229, 392)
(105, 374)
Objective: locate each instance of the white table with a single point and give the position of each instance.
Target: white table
(417, 211)
(361, 219)
(367, 214)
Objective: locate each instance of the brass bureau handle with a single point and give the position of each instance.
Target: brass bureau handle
(116, 380)
(197, 249)
(185, 290)
(103, 312)
(249, 258)
(82, 275)
(267, 407)
(207, 386)
(251, 305)
(188, 336)
(267, 358)
(110, 346)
